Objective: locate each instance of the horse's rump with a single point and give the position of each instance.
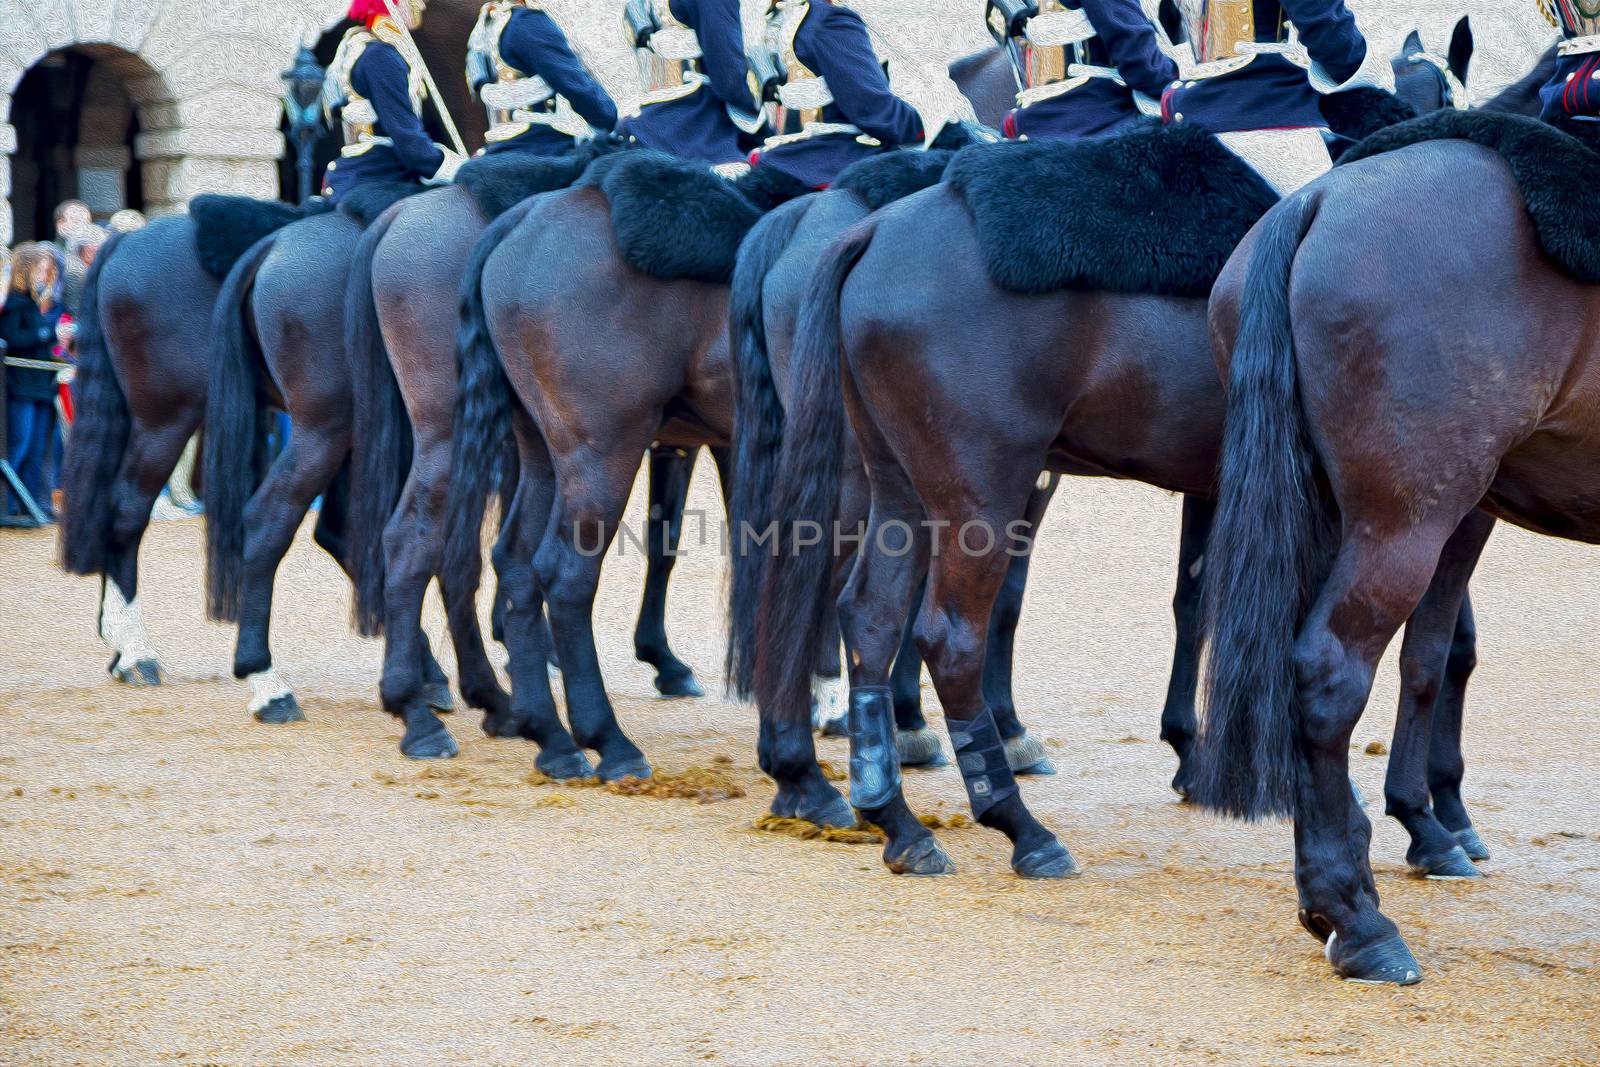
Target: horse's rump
(1557, 173)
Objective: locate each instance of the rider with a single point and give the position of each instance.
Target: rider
(699, 103)
(1574, 91)
(835, 91)
(522, 67)
(1092, 67)
(376, 85)
(1259, 90)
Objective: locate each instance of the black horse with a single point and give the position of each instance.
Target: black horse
(1371, 411)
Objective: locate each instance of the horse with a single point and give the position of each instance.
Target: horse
(140, 391)
(1402, 411)
(143, 346)
(401, 322)
(959, 392)
(773, 271)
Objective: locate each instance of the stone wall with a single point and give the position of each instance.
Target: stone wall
(204, 78)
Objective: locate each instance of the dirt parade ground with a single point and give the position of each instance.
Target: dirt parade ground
(179, 884)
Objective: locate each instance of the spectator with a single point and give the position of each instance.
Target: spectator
(28, 326)
(126, 221)
(72, 216)
(81, 249)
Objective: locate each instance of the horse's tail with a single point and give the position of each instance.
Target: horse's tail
(380, 455)
(757, 431)
(482, 418)
(794, 620)
(1267, 550)
(99, 435)
(235, 433)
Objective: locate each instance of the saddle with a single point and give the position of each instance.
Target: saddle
(676, 219)
(226, 226)
(499, 182)
(1158, 209)
(1556, 169)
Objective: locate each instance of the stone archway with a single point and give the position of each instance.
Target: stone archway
(200, 81)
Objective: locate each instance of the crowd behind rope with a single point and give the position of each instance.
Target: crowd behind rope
(43, 282)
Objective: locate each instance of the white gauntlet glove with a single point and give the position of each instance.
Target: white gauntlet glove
(447, 170)
(1375, 72)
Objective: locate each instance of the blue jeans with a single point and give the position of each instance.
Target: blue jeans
(28, 424)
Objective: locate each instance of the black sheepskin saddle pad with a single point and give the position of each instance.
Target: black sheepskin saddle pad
(226, 226)
(367, 201)
(1557, 171)
(499, 182)
(1156, 210)
(883, 179)
(673, 219)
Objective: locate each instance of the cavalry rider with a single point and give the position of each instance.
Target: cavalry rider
(835, 91)
(1091, 67)
(521, 65)
(1574, 92)
(1259, 90)
(698, 103)
(375, 82)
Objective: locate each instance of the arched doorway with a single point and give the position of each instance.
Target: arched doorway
(77, 116)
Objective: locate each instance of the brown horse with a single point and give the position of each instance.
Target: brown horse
(401, 321)
(1368, 417)
(959, 393)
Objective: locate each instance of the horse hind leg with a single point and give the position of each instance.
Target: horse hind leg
(532, 711)
(1435, 851)
(1178, 722)
(301, 472)
(590, 496)
(151, 456)
(1374, 585)
(670, 472)
(873, 606)
(1445, 764)
(952, 632)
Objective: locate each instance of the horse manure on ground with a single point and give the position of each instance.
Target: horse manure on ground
(699, 784)
(863, 833)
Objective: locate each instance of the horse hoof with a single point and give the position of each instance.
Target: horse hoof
(143, 673)
(1389, 962)
(564, 766)
(1183, 784)
(1453, 866)
(280, 709)
(1357, 795)
(1472, 844)
(675, 687)
(924, 858)
(614, 770)
(920, 748)
(1024, 753)
(437, 696)
(431, 742)
(819, 804)
(504, 724)
(1047, 861)
(1043, 769)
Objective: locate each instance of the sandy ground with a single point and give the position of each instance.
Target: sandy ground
(180, 884)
